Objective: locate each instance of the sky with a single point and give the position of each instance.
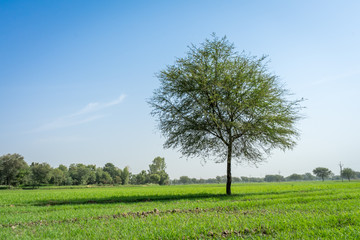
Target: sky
(75, 78)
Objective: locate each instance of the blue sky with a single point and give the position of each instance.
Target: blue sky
(75, 77)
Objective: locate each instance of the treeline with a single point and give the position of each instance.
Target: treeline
(320, 173)
(14, 171)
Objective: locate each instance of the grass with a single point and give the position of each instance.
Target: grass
(302, 210)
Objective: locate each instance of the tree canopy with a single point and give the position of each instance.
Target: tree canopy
(13, 168)
(322, 172)
(218, 104)
(348, 173)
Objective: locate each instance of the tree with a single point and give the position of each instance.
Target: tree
(322, 172)
(40, 173)
(79, 173)
(103, 177)
(57, 177)
(274, 178)
(141, 177)
(217, 103)
(244, 179)
(236, 179)
(68, 180)
(125, 176)
(158, 164)
(348, 173)
(295, 177)
(184, 180)
(13, 169)
(154, 178)
(63, 168)
(164, 178)
(112, 170)
(341, 169)
(308, 177)
(158, 167)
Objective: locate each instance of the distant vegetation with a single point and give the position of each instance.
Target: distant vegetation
(15, 172)
(268, 178)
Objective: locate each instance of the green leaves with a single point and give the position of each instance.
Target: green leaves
(214, 97)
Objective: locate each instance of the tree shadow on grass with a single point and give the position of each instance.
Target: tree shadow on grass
(130, 199)
(155, 198)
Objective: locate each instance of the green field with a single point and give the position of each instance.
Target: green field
(303, 210)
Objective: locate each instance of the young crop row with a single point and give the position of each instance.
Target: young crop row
(259, 211)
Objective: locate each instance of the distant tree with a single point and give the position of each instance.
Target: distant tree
(274, 178)
(341, 169)
(112, 170)
(193, 180)
(244, 179)
(99, 172)
(154, 178)
(257, 179)
(201, 181)
(103, 177)
(211, 180)
(164, 178)
(13, 169)
(236, 179)
(140, 178)
(68, 180)
(40, 173)
(218, 103)
(117, 179)
(106, 178)
(308, 177)
(57, 177)
(125, 176)
(184, 180)
(295, 177)
(23, 177)
(348, 173)
(92, 174)
(322, 172)
(79, 173)
(63, 168)
(158, 165)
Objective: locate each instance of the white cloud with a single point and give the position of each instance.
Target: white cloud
(89, 108)
(335, 78)
(115, 102)
(84, 115)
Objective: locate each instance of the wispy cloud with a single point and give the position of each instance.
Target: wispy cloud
(89, 113)
(94, 107)
(335, 78)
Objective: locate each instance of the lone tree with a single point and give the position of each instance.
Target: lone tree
(348, 173)
(219, 104)
(158, 167)
(322, 172)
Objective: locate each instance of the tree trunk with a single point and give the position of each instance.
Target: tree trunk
(228, 182)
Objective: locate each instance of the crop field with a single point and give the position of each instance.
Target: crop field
(302, 210)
